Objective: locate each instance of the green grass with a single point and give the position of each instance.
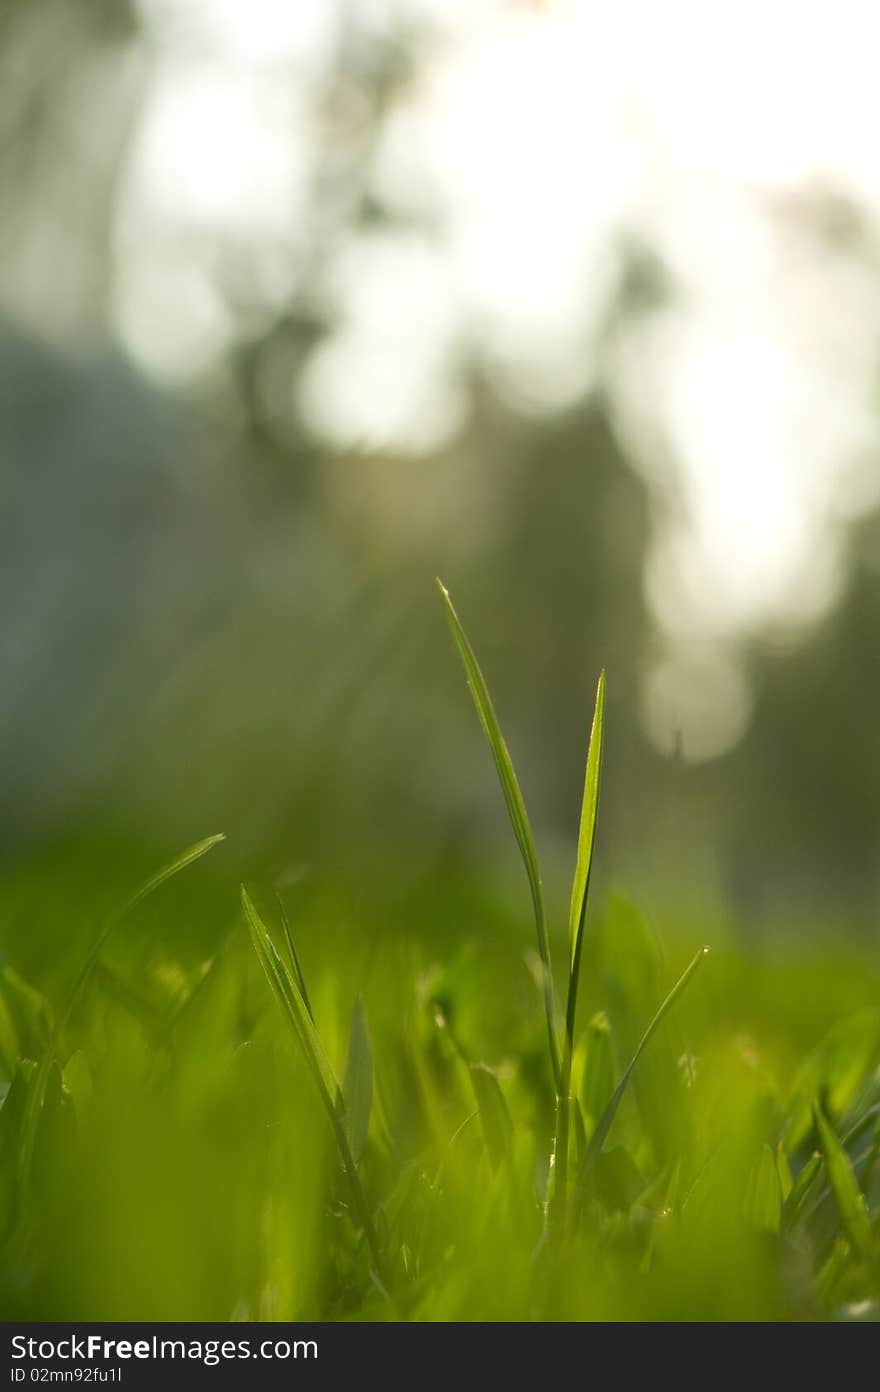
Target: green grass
(317, 1110)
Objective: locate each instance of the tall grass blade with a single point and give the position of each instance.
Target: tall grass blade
(515, 807)
(587, 833)
(605, 1121)
(357, 1085)
(289, 997)
(294, 955)
(577, 911)
(847, 1196)
(494, 1116)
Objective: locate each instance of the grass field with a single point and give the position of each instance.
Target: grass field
(278, 1103)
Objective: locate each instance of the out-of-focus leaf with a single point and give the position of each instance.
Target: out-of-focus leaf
(847, 1195)
(763, 1200)
(282, 980)
(832, 1275)
(15, 1120)
(630, 963)
(783, 1171)
(77, 1077)
(357, 1086)
(149, 886)
(859, 1312)
(598, 1076)
(866, 1121)
(494, 1116)
(12, 1113)
(25, 1019)
(581, 1139)
(55, 1125)
(801, 1189)
(869, 1162)
(834, 1073)
(173, 867)
(9, 1046)
(294, 955)
(606, 1120)
(619, 1181)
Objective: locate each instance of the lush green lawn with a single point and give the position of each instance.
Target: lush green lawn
(181, 1164)
(320, 1102)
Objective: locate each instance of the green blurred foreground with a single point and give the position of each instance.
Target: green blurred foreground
(167, 1153)
(180, 1165)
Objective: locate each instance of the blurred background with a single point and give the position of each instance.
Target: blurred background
(303, 302)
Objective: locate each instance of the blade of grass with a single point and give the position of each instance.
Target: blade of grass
(606, 1120)
(181, 862)
(587, 833)
(294, 956)
(577, 913)
(850, 1202)
(516, 810)
(289, 997)
(293, 1006)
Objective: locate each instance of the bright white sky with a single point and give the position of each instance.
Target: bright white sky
(544, 131)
